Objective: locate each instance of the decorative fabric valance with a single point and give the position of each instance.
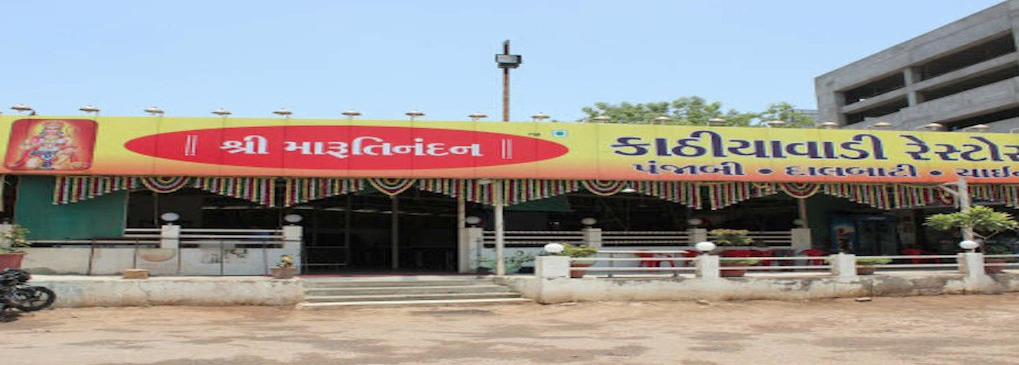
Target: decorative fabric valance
(262, 190)
(604, 188)
(164, 184)
(684, 193)
(302, 190)
(721, 195)
(391, 186)
(72, 189)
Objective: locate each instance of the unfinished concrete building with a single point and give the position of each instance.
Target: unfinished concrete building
(961, 75)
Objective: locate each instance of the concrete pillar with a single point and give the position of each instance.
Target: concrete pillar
(971, 264)
(293, 242)
(843, 265)
(470, 252)
(800, 239)
(169, 236)
(697, 235)
(912, 76)
(551, 267)
(592, 236)
(461, 231)
(708, 267)
(500, 228)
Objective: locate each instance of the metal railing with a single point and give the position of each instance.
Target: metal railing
(769, 238)
(912, 262)
(1001, 262)
(534, 238)
(223, 241)
(646, 238)
(678, 263)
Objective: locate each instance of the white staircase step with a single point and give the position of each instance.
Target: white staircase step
(411, 303)
(404, 290)
(405, 297)
(338, 283)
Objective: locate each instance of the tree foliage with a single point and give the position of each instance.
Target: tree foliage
(695, 110)
(984, 221)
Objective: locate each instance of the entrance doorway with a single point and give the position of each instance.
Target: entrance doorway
(414, 231)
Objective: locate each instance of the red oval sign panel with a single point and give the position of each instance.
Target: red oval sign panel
(346, 147)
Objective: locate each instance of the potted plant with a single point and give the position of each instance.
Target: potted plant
(579, 268)
(866, 265)
(730, 238)
(985, 223)
(514, 263)
(14, 240)
(284, 268)
(994, 265)
(735, 273)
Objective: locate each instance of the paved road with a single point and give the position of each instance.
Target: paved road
(975, 329)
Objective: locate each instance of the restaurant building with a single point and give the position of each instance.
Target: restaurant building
(400, 195)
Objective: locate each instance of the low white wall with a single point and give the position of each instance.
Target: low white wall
(159, 261)
(559, 290)
(94, 291)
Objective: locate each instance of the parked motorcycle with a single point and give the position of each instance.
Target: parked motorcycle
(17, 294)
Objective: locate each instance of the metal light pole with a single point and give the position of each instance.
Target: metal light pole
(506, 61)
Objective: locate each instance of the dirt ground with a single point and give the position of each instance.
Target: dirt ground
(978, 329)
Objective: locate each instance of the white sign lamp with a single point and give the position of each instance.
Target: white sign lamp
(221, 112)
(589, 221)
(705, 247)
(477, 116)
(169, 217)
(414, 114)
(539, 117)
(931, 127)
(293, 218)
(472, 221)
(350, 114)
(154, 111)
(22, 108)
(977, 128)
(969, 246)
(881, 125)
(89, 109)
(283, 112)
(554, 248)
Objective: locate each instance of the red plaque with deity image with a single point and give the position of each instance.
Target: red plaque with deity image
(51, 144)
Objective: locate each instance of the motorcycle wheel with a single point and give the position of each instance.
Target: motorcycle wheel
(33, 298)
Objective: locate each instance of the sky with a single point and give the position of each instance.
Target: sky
(385, 57)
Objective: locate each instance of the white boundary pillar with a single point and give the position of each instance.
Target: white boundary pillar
(500, 232)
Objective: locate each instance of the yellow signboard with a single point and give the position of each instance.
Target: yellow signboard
(408, 149)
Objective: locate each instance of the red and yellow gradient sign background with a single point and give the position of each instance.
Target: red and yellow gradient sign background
(590, 154)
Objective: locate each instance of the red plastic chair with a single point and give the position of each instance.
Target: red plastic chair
(654, 263)
(814, 253)
(690, 254)
(763, 253)
(737, 253)
(918, 252)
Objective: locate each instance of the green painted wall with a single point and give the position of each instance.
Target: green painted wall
(102, 217)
